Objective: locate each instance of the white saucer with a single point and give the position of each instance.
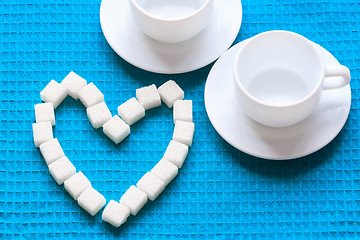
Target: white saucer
(130, 43)
(258, 140)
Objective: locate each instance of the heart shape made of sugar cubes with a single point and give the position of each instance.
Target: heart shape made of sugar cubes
(116, 128)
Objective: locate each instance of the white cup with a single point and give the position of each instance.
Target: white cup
(171, 21)
(279, 78)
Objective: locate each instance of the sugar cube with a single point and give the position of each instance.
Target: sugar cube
(184, 132)
(62, 169)
(134, 199)
(151, 185)
(77, 184)
(44, 112)
(115, 213)
(53, 92)
(183, 110)
(91, 201)
(176, 153)
(51, 151)
(42, 132)
(170, 92)
(73, 83)
(148, 97)
(165, 170)
(90, 95)
(131, 111)
(98, 114)
(116, 129)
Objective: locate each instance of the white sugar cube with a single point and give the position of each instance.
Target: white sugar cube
(44, 112)
(151, 185)
(115, 213)
(73, 83)
(51, 151)
(184, 132)
(42, 132)
(183, 110)
(91, 201)
(176, 153)
(116, 129)
(170, 92)
(131, 111)
(61, 169)
(165, 170)
(98, 114)
(53, 92)
(148, 97)
(90, 95)
(77, 184)
(134, 199)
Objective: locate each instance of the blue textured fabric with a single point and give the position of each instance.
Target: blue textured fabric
(220, 192)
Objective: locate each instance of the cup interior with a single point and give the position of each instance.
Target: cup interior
(278, 68)
(170, 9)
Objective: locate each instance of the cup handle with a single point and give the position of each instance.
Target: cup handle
(336, 71)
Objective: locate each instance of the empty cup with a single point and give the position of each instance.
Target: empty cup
(279, 78)
(171, 20)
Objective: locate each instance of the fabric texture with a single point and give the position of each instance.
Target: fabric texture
(220, 192)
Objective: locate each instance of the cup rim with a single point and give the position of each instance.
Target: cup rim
(256, 100)
(146, 13)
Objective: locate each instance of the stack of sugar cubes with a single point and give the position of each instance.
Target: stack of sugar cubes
(116, 128)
